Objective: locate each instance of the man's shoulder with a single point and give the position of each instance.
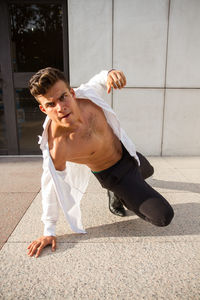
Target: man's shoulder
(86, 90)
(88, 106)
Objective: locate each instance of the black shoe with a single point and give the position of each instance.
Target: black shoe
(115, 205)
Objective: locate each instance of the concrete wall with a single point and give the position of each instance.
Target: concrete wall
(157, 45)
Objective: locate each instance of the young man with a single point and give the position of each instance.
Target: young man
(82, 135)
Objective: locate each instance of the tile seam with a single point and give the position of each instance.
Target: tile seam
(121, 242)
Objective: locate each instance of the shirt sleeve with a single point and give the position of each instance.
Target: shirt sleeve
(49, 204)
(97, 83)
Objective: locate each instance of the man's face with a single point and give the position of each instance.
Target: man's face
(59, 104)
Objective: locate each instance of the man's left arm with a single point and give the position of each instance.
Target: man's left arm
(107, 80)
(116, 79)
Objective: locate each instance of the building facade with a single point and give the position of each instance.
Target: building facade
(155, 42)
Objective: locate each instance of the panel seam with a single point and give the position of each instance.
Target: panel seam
(164, 96)
(112, 100)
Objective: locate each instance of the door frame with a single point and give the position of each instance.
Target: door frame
(11, 80)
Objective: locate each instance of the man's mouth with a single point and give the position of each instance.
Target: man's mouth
(66, 116)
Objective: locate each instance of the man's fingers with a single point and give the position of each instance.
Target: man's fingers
(33, 249)
(113, 84)
(30, 247)
(53, 245)
(115, 80)
(39, 250)
(37, 245)
(114, 76)
(124, 78)
(121, 78)
(108, 88)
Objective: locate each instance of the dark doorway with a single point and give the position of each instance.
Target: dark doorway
(34, 35)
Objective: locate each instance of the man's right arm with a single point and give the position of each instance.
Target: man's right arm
(49, 216)
(37, 246)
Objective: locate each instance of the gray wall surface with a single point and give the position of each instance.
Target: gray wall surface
(156, 43)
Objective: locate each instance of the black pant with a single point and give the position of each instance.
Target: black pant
(126, 180)
(145, 168)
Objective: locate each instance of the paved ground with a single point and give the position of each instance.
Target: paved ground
(119, 258)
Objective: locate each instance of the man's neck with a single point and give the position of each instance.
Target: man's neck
(59, 130)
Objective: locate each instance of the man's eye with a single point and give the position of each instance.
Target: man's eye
(50, 105)
(63, 97)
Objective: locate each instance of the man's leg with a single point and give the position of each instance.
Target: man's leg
(125, 180)
(115, 204)
(140, 197)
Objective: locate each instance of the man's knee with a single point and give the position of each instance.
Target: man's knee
(166, 217)
(149, 172)
(157, 212)
(146, 169)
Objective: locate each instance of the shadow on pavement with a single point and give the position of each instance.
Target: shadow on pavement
(175, 185)
(186, 222)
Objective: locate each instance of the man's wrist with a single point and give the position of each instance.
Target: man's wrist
(111, 70)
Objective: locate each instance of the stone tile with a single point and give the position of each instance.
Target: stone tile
(174, 186)
(140, 112)
(90, 46)
(181, 123)
(186, 215)
(183, 61)
(30, 226)
(192, 162)
(102, 226)
(159, 162)
(167, 178)
(192, 176)
(116, 259)
(140, 38)
(168, 174)
(20, 174)
(148, 270)
(12, 208)
(171, 178)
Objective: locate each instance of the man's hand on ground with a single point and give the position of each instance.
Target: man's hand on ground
(38, 245)
(116, 79)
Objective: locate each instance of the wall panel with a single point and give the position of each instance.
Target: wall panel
(140, 38)
(140, 112)
(90, 38)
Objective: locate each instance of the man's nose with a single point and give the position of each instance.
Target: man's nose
(61, 107)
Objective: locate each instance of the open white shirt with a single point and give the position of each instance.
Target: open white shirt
(66, 188)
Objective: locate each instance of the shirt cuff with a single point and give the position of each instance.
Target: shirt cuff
(49, 229)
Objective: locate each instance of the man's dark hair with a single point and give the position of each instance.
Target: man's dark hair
(44, 79)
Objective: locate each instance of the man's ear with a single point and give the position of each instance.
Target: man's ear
(42, 109)
(72, 93)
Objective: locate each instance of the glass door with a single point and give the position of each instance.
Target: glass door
(38, 39)
(3, 136)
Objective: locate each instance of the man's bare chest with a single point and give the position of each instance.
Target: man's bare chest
(87, 141)
(83, 144)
